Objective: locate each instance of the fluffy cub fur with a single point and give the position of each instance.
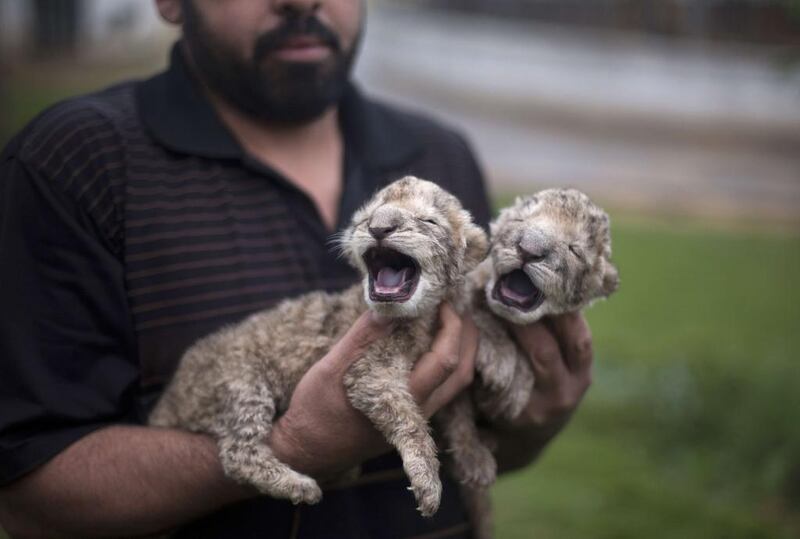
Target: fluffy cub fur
(412, 243)
(550, 254)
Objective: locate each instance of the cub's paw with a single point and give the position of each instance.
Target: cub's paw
(288, 484)
(428, 495)
(475, 466)
(511, 404)
(303, 489)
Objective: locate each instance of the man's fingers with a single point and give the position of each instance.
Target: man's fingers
(365, 330)
(544, 353)
(575, 337)
(448, 339)
(436, 366)
(461, 377)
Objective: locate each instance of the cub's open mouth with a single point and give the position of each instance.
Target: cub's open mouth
(393, 276)
(515, 289)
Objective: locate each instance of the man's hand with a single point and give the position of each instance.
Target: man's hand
(560, 352)
(321, 433)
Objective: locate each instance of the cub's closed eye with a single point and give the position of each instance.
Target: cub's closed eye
(430, 221)
(574, 249)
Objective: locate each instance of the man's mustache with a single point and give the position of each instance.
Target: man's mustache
(293, 27)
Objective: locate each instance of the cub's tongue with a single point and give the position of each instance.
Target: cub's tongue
(390, 278)
(516, 290)
(520, 284)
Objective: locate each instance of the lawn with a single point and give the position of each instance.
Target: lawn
(691, 428)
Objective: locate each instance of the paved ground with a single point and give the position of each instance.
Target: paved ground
(641, 122)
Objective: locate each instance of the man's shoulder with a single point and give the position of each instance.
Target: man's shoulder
(435, 151)
(424, 127)
(77, 149)
(74, 125)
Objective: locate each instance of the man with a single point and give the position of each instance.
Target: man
(140, 218)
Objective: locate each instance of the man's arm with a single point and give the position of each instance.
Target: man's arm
(119, 480)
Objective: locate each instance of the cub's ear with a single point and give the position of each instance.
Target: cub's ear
(476, 246)
(610, 279)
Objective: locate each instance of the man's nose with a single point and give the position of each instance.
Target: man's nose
(295, 7)
(534, 246)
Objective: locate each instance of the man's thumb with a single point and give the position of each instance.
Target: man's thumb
(367, 329)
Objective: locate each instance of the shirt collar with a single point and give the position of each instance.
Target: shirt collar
(178, 115)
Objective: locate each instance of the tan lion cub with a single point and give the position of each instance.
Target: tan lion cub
(413, 244)
(550, 254)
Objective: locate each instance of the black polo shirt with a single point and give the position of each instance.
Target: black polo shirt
(132, 223)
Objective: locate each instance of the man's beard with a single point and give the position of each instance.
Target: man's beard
(289, 93)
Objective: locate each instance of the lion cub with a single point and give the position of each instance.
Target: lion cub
(413, 244)
(550, 254)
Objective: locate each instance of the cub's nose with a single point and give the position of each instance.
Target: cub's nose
(384, 220)
(380, 232)
(534, 246)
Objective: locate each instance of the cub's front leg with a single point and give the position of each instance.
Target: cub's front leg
(381, 393)
(505, 378)
(243, 428)
(237, 407)
(496, 355)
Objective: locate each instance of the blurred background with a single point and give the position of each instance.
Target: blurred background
(682, 118)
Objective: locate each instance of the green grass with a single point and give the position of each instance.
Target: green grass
(691, 428)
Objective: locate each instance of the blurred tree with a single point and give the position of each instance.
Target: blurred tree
(56, 26)
(793, 8)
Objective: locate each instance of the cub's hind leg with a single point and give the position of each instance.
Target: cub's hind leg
(242, 430)
(472, 462)
(504, 375)
(478, 503)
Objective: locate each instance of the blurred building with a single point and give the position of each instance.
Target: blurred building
(46, 28)
(759, 21)
(637, 119)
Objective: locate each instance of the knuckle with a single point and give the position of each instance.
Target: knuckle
(562, 403)
(449, 362)
(468, 377)
(457, 324)
(583, 348)
(548, 354)
(536, 417)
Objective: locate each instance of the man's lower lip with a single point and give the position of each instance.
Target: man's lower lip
(313, 53)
